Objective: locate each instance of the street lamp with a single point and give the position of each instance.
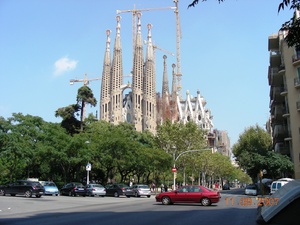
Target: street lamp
(88, 169)
(174, 170)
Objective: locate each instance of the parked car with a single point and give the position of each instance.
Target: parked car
(226, 187)
(251, 189)
(50, 188)
(189, 194)
(95, 190)
(73, 189)
(23, 187)
(139, 190)
(278, 184)
(116, 189)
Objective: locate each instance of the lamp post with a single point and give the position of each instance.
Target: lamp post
(88, 169)
(174, 170)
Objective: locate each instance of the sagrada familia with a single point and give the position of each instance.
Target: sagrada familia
(143, 106)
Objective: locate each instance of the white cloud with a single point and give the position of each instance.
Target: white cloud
(64, 64)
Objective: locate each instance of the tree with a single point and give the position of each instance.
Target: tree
(176, 138)
(293, 25)
(19, 138)
(85, 96)
(68, 113)
(69, 121)
(253, 153)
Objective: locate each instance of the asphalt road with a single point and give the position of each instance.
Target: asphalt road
(233, 209)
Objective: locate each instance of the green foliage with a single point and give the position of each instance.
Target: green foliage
(178, 137)
(253, 152)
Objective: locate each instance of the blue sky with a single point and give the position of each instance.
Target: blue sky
(224, 53)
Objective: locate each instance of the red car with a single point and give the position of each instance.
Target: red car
(189, 194)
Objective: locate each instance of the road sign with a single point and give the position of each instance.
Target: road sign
(88, 167)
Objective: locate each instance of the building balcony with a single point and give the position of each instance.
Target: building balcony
(296, 60)
(275, 78)
(297, 82)
(284, 91)
(282, 148)
(275, 58)
(276, 94)
(279, 131)
(298, 106)
(286, 113)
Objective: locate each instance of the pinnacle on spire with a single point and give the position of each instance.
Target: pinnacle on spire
(108, 39)
(139, 22)
(149, 26)
(118, 28)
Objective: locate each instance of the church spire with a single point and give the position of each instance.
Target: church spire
(149, 90)
(137, 78)
(105, 84)
(116, 98)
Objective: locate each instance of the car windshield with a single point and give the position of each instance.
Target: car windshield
(97, 185)
(51, 184)
(143, 186)
(252, 187)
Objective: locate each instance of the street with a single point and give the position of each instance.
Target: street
(233, 209)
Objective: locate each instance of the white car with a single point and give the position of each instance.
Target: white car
(95, 190)
(278, 184)
(251, 189)
(139, 190)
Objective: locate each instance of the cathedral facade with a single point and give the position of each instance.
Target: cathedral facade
(143, 106)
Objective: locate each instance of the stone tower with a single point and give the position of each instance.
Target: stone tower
(116, 98)
(138, 107)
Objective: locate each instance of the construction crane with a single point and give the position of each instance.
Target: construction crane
(178, 38)
(161, 49)
(134, 12)
(85, 81)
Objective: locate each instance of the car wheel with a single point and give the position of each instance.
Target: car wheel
(28, 194)
(116, 194)
(38, 196)
(205, 202)
(2, 192)
(12, 194)
(128, 196)
(148, 196)
(166, 200)
(70, 193)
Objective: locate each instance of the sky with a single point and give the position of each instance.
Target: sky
(224, 53)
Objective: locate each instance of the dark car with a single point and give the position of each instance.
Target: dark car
(116, 189)
(189, 194)
(23, 187)
(226, 187)
(73, 189)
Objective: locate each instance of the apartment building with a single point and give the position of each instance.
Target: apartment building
(284, 81)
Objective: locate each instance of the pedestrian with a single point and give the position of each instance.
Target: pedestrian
(162, 188)
(217, 185)
(153, 187)
(166, 188)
